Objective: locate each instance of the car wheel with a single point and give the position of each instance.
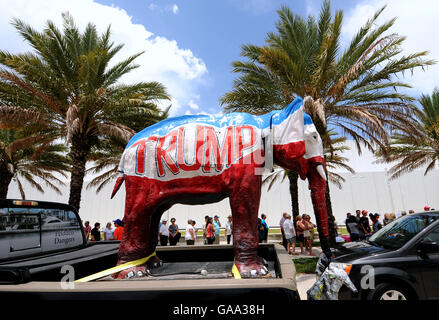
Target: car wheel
(389, 291)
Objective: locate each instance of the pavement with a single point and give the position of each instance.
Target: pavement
(304, 283)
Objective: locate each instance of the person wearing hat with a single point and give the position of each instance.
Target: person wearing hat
(426, 208)
(118, 232)
(376, 224)
(164, 233)
(217, 226)
(364, 225)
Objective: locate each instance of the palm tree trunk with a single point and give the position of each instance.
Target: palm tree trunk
(294, 192)
(6, 177)
(78, 153)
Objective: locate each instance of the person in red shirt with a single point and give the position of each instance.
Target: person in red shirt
(117, 234)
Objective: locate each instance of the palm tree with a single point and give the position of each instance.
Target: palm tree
(356, 88)
(334, 160)
(416, 145)
(68, 86)
(32, 158)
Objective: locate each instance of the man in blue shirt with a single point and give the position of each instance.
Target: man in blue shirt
(265, 225)
(217, 226)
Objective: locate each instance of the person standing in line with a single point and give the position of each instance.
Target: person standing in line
(193, 223)
(108, 232)
(118, 232)
(217, 226)
(87, 229)
(174, 235)
(411, 211)
(300, 228)
(210, 231)
(164, 233)
(376, 223)
(265, 225)
(403, 213)
(95, 232)
(190, 233)
(358, 215)
(261, 231)
(364, 226)
(352, 224)
(386, 219)
(392, 217)
(290, 234)
(229, 228)
(306, 231)
(311, 228)
(206, 222)
(348, 217)
(281, 222)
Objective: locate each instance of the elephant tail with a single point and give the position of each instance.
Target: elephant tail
(119, 181)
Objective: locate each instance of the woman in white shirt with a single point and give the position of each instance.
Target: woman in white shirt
(190, 233)
(164, 234)
(108, 232)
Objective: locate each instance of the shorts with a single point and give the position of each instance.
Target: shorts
(300, 238)
(291, 240)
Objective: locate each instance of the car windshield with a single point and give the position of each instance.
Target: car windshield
(397, 233)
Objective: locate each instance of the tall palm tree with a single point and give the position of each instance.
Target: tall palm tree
(417, 145)
(68, 85)
(32, 158)
(356, 87)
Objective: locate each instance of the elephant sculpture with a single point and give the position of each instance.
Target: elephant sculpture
(199, 159)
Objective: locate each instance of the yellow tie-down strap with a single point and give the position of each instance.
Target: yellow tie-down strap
(235, 272)
(116, 269)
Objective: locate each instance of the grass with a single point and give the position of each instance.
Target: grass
(305, 265)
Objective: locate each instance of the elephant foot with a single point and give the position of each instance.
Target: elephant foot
(252, 268)
(133, 272)
(138, 271)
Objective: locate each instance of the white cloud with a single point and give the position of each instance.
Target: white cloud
(152, 6)
(178, 69)
(175, 9)
(418, 21)
(193, 105)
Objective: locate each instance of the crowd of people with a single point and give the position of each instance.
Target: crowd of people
(301, 232)
(363, 224)
(109, 233)
(359, 226)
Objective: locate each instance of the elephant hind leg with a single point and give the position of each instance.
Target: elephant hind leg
(244, 202)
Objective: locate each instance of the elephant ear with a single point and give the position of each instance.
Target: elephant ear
(314, 108)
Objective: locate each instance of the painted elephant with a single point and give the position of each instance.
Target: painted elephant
(200, 159)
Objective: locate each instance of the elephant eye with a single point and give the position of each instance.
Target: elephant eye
(315, 137)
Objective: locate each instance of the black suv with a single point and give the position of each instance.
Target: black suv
(399, 262)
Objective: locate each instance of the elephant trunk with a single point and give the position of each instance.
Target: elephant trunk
(317, 184)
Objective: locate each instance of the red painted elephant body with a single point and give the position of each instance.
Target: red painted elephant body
(204, 159)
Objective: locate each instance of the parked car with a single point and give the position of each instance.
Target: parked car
(399, 262)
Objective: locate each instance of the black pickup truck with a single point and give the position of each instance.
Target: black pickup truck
(38, 239)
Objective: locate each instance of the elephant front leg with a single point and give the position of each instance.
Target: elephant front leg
(136, 241)
(244, 203)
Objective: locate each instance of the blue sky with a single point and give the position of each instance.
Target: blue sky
(214, 31)
(189, 44)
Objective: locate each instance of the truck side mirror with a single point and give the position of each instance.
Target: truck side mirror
(425, 247)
